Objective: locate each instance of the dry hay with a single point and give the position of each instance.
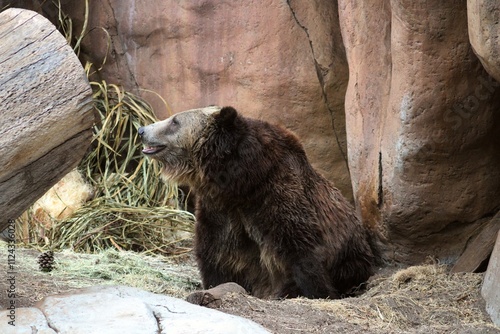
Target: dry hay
(101, 225)
(426, 295)
(420, 299)
(152, 273)
(157, 274)
(132, 208)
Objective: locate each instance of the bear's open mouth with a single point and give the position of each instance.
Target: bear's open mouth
(152, 149)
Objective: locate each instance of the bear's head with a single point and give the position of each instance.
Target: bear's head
(176, 141)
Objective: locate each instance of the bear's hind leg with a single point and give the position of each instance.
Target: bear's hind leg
(312, 279)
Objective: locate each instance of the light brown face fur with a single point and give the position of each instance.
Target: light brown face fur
(172, 142)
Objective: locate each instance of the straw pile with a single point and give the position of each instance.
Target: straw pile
(152, 273)
(418, 299)
(419, 296)
(132, 208)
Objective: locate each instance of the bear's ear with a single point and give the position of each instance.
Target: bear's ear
(226, 115)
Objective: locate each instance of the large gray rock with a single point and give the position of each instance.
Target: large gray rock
(91, 312)
(122, 310)
(24, 321)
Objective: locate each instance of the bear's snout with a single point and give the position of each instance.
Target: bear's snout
(146, 133)
(151, 146)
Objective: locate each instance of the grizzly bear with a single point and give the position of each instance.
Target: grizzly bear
(265, 218)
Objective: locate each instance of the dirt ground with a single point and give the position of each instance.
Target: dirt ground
(421, 299)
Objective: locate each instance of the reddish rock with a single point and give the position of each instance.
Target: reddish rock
(280, 61)
(366, 32)
(479, 249)
(423, 124)
(484, 33)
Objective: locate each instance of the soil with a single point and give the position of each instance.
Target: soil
(419, 299)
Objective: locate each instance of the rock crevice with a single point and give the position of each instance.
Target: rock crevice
(321, 72)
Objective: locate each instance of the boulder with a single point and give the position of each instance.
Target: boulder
(484, 33)
(25, 320)
(98, 311)
(121, 309)
(214, 297)
(423, 123)
(478, 251)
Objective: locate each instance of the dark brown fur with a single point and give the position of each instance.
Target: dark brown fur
(265, 218)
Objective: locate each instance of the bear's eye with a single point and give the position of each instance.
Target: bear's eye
(173, 126)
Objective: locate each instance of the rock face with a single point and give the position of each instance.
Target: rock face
(120, 309)
(420, 109)
(281, 61)
(484, 33)
(423, 124)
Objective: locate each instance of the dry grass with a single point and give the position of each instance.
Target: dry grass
(151, 273)
(132, 208)
(158, 274)
(426, 295)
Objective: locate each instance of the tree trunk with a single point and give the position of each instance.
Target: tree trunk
(45, 110)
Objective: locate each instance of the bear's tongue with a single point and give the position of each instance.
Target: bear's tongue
(152, 149)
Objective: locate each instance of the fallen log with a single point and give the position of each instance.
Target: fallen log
(45, 110)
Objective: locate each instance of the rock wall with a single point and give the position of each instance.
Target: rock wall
(423, 124)
(421, 106)
(282, 61)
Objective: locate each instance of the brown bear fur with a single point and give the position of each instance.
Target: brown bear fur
(265, 218)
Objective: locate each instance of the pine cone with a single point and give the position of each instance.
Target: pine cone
(46, 261)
